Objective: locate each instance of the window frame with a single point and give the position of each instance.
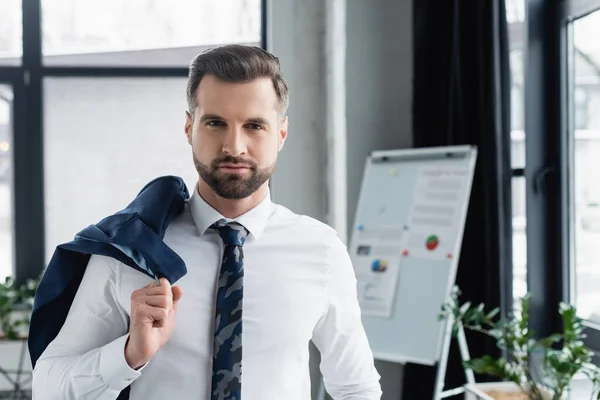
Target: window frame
(26, 80)
(544, 172)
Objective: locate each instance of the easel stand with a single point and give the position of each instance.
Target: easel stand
(440, 393)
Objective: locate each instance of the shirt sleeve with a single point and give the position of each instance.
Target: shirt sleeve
(347, 362)
(86, 360)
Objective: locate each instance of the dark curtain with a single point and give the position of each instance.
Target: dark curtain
(461, 96)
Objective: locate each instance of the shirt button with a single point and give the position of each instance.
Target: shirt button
(128, 380)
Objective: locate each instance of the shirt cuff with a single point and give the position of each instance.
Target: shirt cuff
(115, 371)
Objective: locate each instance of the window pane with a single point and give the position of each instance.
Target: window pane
(6, 210)
(585, 131)
(104, 139)
(519, 242)
(515, 15)
(143, 32)
(11, 32)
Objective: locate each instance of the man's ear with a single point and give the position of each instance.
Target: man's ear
(189, 124)
(283, 132)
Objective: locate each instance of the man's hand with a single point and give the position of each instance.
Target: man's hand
(153, 314)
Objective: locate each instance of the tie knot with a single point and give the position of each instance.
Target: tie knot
(231, 233)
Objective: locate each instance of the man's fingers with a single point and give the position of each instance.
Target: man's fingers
(155, 314)
(177, 293)
(164, 282)
(158, 301)
(152, 291)
(161, 281)
(165, 296)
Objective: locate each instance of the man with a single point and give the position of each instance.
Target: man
(261, 281)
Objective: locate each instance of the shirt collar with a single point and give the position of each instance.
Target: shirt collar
(254, 220)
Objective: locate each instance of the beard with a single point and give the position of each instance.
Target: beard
(233, 186)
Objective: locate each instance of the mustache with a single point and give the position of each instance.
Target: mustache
(233, 160)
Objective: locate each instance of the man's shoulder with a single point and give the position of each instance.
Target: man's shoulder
(308, 224)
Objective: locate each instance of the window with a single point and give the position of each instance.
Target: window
(11, 34)
(99, 152)
(6, 224)
(584, 77)
(515, 14)
(143, 32)
(580, 106)
(519, 243)
(109, 77)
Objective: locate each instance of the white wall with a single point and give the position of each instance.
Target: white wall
(297, 39)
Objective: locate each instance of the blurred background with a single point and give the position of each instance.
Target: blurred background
(92, 102)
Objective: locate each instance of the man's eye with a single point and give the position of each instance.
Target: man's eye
(215, 123)
(254, 127)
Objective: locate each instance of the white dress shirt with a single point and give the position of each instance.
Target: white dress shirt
(299, 285)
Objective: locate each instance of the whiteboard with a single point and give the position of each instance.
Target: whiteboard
(405, 246)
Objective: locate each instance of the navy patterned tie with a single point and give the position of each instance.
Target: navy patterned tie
(227, 360)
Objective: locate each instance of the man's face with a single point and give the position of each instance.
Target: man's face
(235, 134)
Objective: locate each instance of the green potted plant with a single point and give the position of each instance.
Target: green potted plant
(563, 355)
(16, 304)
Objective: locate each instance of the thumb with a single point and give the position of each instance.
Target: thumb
(177, 293)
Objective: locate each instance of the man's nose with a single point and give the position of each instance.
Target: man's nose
(235, 143)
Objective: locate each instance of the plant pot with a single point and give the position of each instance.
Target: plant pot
(498, 391)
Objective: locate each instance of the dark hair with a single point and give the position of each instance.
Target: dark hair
(237, 63)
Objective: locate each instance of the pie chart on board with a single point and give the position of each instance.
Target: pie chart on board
(432, 242)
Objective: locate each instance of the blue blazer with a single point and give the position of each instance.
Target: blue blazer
(133, 236)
